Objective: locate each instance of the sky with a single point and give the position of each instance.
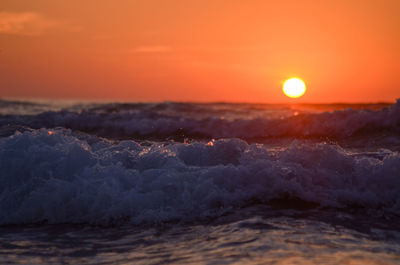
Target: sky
(200, 50)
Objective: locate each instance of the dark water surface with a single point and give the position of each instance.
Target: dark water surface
(185, 183)
(251, 237)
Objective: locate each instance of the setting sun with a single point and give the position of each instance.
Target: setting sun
(294, 88)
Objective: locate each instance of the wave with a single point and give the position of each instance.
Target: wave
(202, 121)
(60, 176)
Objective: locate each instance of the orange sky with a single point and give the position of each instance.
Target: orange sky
(200, 50)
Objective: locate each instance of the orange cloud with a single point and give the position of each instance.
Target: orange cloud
(30, 24)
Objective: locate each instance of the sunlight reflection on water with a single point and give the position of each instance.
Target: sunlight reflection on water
(256, 240)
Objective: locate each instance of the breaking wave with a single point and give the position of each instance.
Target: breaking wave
(60, 176)
(201, 121)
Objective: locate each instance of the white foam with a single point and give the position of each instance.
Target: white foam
(61, 178)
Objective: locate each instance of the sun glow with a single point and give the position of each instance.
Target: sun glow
(294, 87)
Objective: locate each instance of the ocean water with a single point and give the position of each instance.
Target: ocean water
(190, 183)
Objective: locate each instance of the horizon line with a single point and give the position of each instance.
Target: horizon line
(83, 100)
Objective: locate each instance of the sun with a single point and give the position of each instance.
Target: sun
(294, 87)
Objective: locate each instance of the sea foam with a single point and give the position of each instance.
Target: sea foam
(59, 176)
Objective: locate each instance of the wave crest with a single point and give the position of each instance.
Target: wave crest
(122, 121)
(60, 177)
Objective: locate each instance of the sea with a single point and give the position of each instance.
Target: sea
(199, 183)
